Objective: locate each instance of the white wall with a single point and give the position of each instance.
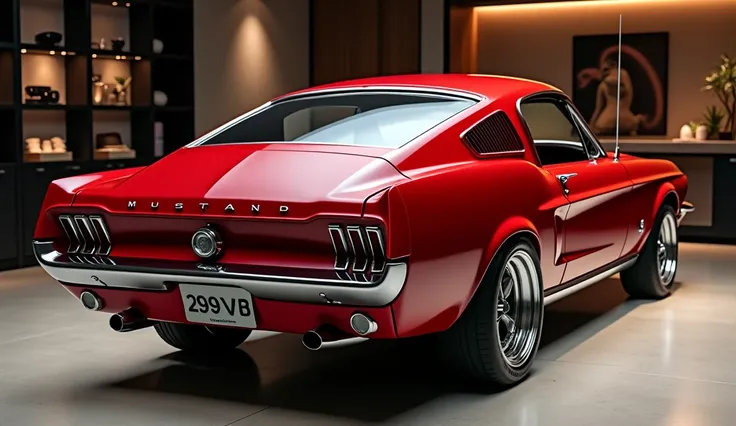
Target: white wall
(246, 52)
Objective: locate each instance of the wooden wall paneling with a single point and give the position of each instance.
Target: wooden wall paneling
(399, 36)
(328, 56)
(463, 40)
(364, 39)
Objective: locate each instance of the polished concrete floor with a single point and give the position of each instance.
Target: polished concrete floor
(605, 360)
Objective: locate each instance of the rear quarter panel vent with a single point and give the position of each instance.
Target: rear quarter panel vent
(494, 135)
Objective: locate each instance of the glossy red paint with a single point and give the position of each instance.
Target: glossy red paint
(442, 209)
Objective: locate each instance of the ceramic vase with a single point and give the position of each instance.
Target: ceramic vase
(686, 132)
(701, 133)
(160, 98)
(158, 46)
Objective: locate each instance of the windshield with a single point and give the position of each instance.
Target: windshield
(385, 119)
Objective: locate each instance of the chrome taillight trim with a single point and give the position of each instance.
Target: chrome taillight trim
(360, 255)
(103, 234)
(353, 254)
(342, 255)
(379, 256)
(67, 224)
(86, 234)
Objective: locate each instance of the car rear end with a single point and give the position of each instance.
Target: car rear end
(238, 231)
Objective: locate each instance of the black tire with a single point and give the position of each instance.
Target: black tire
(472, 345)
(643, 280)
(201, 339)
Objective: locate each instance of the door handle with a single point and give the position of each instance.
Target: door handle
(563, 178)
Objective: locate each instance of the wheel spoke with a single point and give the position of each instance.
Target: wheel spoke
(508, 322)
(507, 284)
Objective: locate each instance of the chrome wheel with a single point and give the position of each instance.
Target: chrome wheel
(518, 309)
(667, 249)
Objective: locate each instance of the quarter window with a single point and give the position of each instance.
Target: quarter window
(555, 135)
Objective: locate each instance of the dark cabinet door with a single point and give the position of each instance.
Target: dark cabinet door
(8, 216)
(35, 181)
(724, 196)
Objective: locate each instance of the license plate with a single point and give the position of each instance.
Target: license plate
(206, 304)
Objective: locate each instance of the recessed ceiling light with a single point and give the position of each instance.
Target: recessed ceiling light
(63, 53)
(94, 55)
(137, 58)
(114, 3)
(51, 52)
(23, 51)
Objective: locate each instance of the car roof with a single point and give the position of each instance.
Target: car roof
(488, 86)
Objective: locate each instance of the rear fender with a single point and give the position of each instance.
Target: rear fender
(509, 231)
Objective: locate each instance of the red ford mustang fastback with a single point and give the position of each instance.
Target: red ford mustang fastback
(381, 208)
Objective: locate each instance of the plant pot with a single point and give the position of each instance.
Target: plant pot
(725, 136)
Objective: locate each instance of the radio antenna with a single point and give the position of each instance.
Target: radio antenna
(617, 153)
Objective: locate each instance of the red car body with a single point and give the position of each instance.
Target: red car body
(431, 215)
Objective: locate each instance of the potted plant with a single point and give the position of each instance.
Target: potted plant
(712, 119)
(722, 83)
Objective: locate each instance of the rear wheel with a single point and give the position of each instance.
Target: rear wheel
(200, 338)
(495, 340)
(654, 272)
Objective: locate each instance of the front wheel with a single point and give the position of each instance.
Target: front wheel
(200, 338)
(653, 274)
(495, 340)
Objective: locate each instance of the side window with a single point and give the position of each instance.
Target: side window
(556, 137)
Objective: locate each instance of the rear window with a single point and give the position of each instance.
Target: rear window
(387, 120)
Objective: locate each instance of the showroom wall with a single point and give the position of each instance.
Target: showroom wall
(247, 51)
(251, 50)
(535, 41)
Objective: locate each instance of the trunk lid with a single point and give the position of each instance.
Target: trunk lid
(288, 181)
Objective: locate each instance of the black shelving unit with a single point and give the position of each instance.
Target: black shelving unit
(69, 68)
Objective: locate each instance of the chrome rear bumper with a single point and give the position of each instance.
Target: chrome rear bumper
(685, 208)
(106, 272)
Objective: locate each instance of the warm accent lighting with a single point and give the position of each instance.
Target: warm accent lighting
(579, 3)
(51, 52)
(114, 3)
(137, 58)
(123, 57)
(94, 55)
(63, 53)
(117, 57)
(127, 4)
(23, 51)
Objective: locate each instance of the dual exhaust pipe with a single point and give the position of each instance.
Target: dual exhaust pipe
(323, 337)
(128, 320)
(329, 337)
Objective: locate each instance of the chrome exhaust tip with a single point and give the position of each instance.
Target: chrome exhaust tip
(312, 340)
(129, 320)
(362, 324)
(91, 301)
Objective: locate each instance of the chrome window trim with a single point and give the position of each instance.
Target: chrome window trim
(383, 89)
(584, 129)
(293, 289)
(417, 91)
(490, 154)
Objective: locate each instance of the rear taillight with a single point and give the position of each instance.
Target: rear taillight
(86, 234)
(358, 249)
